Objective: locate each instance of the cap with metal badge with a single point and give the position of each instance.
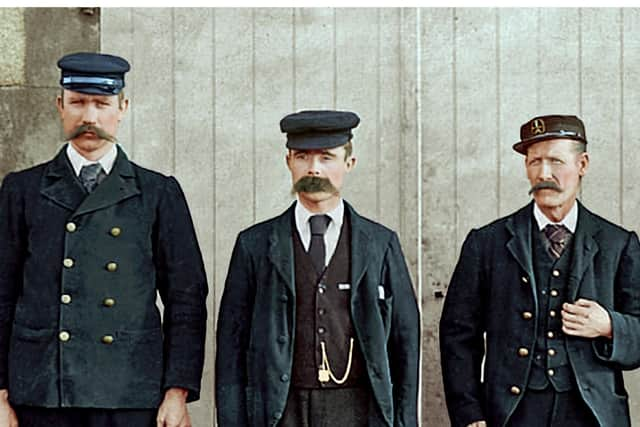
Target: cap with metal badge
(542, 128)
(93, 73)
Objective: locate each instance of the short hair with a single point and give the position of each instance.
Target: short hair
(580, 147)
(120, 97)
(348, 149)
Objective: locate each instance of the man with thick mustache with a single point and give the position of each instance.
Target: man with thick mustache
(87, 241)
(549, 296)
(318, 323)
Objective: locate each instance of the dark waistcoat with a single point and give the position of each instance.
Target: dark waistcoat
(323, 315)
(551, 364)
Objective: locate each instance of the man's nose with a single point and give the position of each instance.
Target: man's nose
(89, 115)
(545, 171)
(314, 167)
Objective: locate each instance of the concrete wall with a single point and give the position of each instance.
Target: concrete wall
(441, 94)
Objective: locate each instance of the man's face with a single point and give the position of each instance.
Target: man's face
(100, 114)
(557, 165)
(325, 166)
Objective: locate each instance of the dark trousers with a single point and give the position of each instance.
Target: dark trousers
(31, 416)
(548, 408)
(346, 407)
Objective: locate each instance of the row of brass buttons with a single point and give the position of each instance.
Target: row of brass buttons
(69, 263)
(65, 336)
(72, 227)
(524, 352)
(107, 302)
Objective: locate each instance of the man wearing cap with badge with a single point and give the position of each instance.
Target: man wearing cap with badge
(87, 240)
(549, 296)
(318, 322)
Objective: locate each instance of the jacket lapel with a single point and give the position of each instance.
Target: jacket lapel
(119, 185)
(59, 183)
(359, 248)
(519, 225)
(585, 248)
(281, 247)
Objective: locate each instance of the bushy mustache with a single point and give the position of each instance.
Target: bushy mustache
(313, 184)
(101, 133)
(549, 185)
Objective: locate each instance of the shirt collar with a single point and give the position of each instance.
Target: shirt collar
(303, 214)
(570, 220)
(78, 161)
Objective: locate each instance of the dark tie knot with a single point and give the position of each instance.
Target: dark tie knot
(557, 233)
(319, 224)
(91, 175)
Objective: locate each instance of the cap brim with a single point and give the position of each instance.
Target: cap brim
(316, 141)
(521, 147)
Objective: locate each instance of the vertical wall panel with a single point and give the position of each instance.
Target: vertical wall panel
(154, 59)
(234, 148)
(314, 58)
(601, 104)
(194, 155)
(439, 192)
(476, 139)
(517, 86)
(357, 41)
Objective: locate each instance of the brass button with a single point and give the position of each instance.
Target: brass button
(551, 372)
(68, 262)
(109, 302)
(71, 227)
(554, 293)
(107, 339)
(64, 336)
(112, 266)
(523, 352)
(65, 298)
(551, 352)
(515, 390)
(115, 231)
(524, 279)
(552, 313)
(527, 315)
(550, 334)
(321, 330)
(556, 273)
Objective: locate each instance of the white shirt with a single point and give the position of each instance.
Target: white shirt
(333, 230)
(570, 220)
(77, 161)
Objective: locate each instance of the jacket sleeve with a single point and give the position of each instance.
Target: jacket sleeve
(404, 338)
(182, 284)
(12, 250)
(461, 337)
(624, 350)
(232, 339)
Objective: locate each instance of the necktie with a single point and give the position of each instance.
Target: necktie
(558, 237)
(91, 175)
(319, 224)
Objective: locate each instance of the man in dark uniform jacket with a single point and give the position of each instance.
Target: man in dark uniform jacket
(87, 240)
(318, 323)
(549, 296)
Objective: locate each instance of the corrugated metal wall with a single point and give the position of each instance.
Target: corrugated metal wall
(441, 94)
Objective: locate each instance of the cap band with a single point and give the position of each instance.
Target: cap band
(92, 81)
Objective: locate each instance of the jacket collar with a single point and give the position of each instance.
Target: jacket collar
(60, 185)
(281, 246)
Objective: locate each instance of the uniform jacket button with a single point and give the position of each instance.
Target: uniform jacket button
(115, 231)
(515, 390)
(554, 293)
(109, 302)
(64, 336)
(284, 378)
(71, 227)
(527, 315)
(65, 298)
(68, 262)
(524, 279)
(112, 266)
(556, 273)
(107, 339)
(523, 352)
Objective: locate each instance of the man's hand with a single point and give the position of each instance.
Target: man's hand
(478, 424)
(8, 416)
(586, 319)
(173, 410)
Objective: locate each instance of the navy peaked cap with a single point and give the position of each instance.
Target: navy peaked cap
(93, 73)
(318, 129)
